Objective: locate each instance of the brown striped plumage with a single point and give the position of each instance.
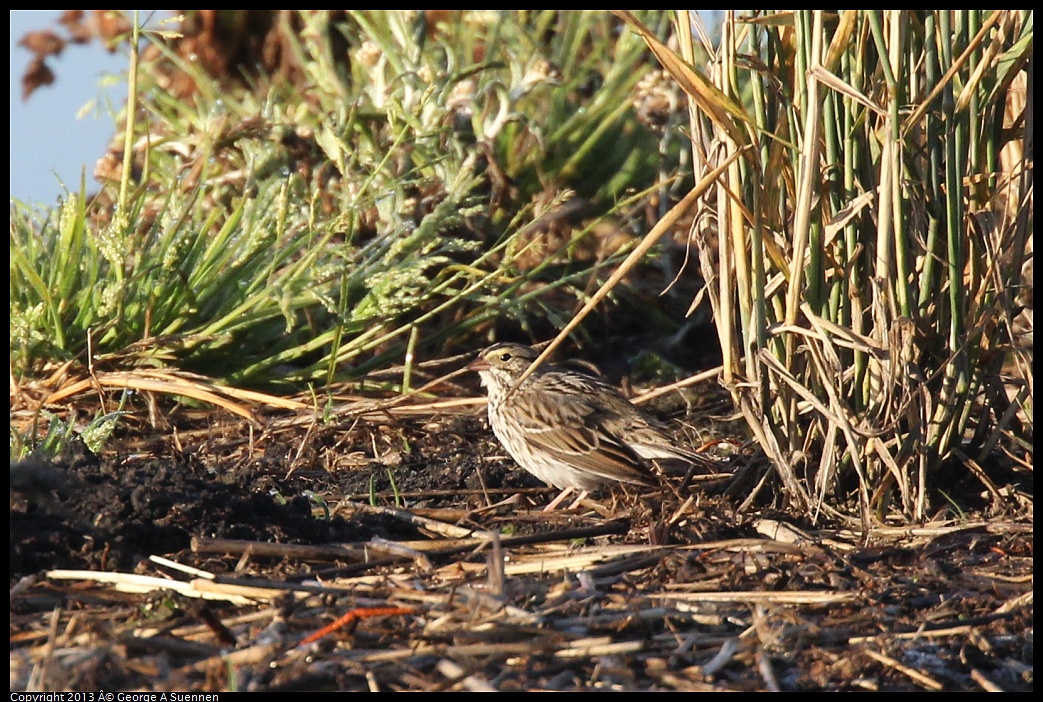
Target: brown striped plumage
(570, 429)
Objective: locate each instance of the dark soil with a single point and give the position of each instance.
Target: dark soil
(681, 591)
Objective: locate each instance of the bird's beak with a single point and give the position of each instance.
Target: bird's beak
(478, 365)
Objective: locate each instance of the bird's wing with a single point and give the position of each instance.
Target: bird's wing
(572, 429)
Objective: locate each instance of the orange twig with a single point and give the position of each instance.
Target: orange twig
(355, 615)
(712, 443)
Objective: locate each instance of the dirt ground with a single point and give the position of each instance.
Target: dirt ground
(463, 582)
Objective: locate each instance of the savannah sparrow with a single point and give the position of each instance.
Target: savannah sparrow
(569, 429)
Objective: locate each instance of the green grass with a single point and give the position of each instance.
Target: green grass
(869, 244)
(285, 232)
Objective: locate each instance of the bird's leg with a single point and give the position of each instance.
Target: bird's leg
(561, 498)
(579, 498)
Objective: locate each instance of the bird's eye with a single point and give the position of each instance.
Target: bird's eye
(504, 357)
